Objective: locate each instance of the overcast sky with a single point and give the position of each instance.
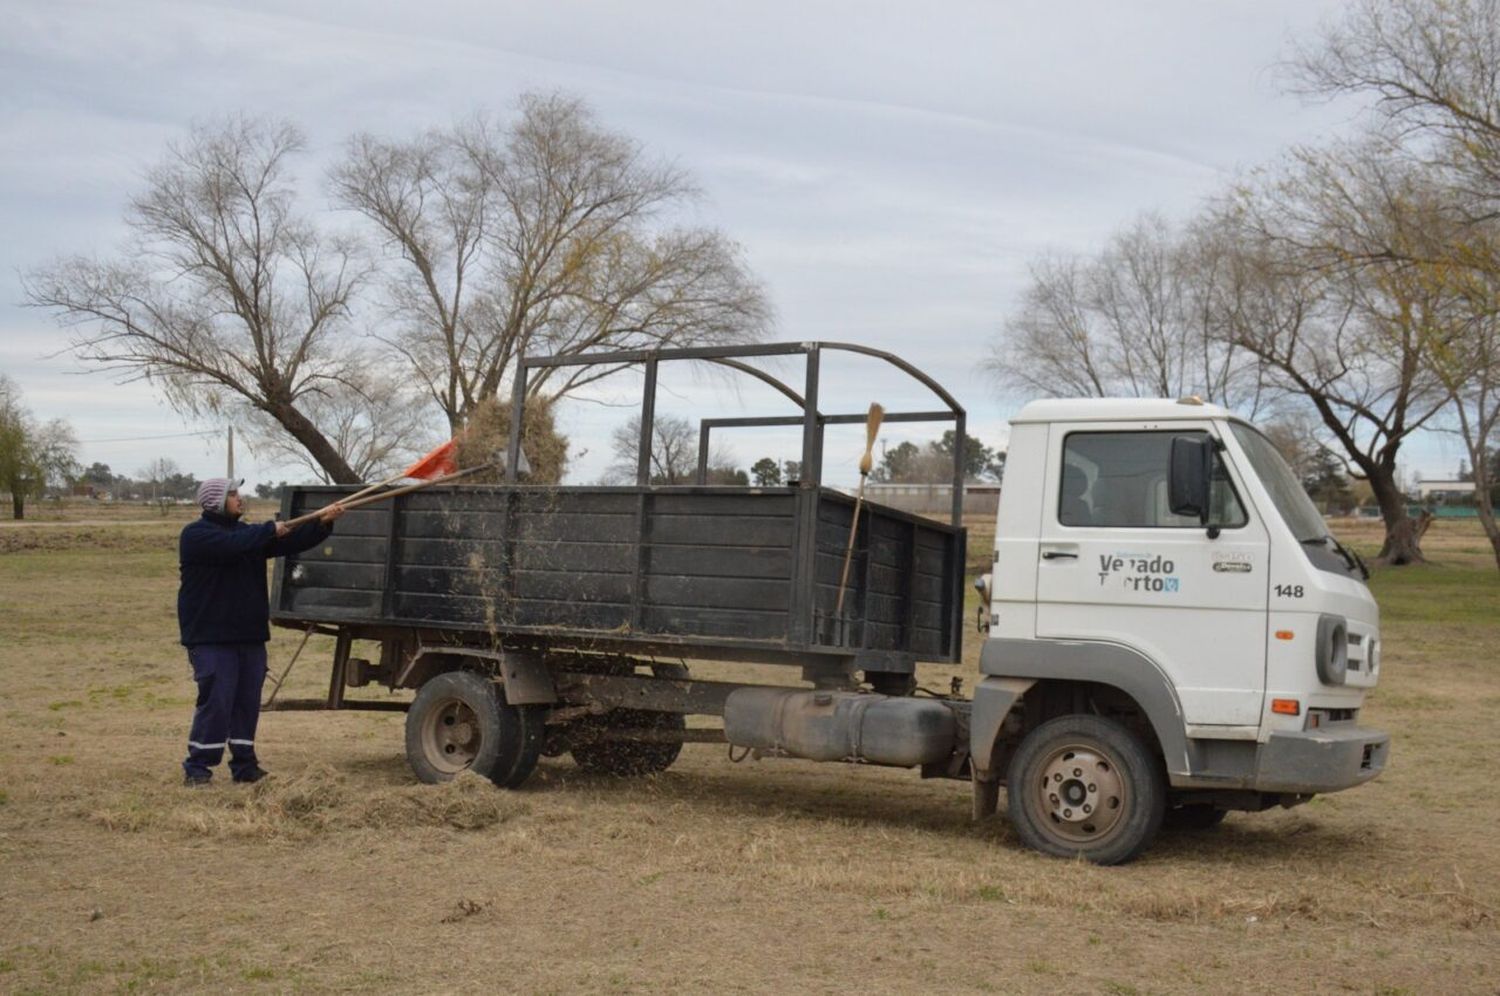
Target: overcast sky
(890, 169)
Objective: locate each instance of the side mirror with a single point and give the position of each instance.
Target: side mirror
(1189, 476)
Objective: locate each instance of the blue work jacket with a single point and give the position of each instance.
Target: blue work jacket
(223, 596)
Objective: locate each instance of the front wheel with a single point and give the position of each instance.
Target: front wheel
(460, 721)
(1086, 786)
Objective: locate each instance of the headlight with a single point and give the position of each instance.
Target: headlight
(1333, 650)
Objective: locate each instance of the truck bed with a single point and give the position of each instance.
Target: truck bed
(701, 571)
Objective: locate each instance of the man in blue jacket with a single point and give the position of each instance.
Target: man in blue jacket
(223, 610)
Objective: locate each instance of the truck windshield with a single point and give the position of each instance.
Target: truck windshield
(1286, 491)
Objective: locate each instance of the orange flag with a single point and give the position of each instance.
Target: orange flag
(441, 462)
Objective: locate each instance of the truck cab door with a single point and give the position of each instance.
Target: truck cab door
(1116, 566)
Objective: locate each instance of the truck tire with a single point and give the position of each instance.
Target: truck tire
(461, 721)
(1086, 786)
(623, 758)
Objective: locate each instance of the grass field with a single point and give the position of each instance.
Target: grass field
(342, 873)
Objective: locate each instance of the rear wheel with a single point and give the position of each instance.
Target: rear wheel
(624, 757)
(1085, 785)
(460, 721)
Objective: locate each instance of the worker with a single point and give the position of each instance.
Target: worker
(223, 612)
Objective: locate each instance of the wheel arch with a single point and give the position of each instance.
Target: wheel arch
(525, 675)
(1049, 670)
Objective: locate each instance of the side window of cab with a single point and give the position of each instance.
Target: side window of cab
(1119, 480)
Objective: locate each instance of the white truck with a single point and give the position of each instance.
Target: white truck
(1172, 631)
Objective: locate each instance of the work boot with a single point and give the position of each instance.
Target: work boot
(193, 781)
(252, 776)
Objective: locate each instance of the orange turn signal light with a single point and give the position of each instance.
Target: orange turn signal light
(1284, 634)
(1286, 707)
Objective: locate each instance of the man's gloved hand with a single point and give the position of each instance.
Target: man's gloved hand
(282, 529)
(327, 515)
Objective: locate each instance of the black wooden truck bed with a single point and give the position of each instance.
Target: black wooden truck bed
(535, 620)
(693, 571)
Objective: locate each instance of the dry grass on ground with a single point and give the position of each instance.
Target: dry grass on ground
(342, 873)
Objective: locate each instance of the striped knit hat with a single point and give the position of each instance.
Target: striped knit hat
(214, 492)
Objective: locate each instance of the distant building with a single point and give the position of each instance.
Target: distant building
(1441, 491)
(935, 499)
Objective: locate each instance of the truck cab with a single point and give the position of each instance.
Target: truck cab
(1163, 588)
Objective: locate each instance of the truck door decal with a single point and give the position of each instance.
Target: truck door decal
(1140, 572)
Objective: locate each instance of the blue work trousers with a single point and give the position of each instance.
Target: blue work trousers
(229, 677)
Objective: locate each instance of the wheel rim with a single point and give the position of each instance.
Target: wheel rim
(1081, 793)
(450, 736)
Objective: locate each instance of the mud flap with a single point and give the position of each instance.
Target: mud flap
(993, 700)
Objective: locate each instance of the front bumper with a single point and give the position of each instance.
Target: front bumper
(1322, 760)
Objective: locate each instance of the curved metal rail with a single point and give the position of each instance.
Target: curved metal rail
(812, 420)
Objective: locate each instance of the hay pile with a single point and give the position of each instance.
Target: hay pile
(318, 800)
(488, 433)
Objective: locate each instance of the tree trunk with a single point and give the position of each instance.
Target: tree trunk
(17, 505)
(316, 444)
(1487, 520)
(1403, 536)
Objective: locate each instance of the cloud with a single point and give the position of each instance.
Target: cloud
(890, 169)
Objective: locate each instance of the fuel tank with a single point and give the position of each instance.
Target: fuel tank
(841, 726)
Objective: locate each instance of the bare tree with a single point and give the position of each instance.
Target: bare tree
(1136, 294)
(226, 297)
(1131, 320)
(545, 234)
(674, 453)
(1211, 271)
(1052, 346)
(373, 421)
(1359, 277)
(1298, 437)
(156, 473)
(1467, 365)
(1339, 317)
(1432, 68)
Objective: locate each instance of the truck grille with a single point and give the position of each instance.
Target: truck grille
(1363, 655)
